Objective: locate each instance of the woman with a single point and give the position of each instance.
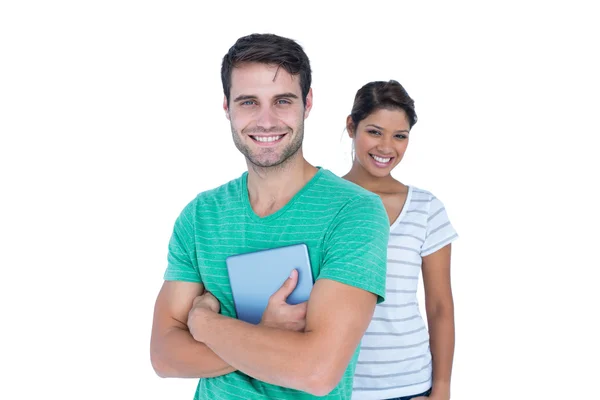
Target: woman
(402, 358)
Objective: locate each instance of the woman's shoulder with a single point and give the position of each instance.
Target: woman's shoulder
(420, 192)
(424, 195)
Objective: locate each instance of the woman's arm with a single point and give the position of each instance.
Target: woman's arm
(440, 318)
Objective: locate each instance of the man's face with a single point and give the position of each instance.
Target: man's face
(267, 113)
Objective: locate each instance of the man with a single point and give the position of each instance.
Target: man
(296, 352)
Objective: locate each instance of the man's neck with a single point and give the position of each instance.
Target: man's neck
(269, 189)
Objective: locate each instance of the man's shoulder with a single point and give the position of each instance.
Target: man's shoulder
(224, 191)
(340, 187)
(352, 200)
(215, 198)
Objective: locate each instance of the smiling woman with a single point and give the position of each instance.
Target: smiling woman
(399, 359)
(384, 138)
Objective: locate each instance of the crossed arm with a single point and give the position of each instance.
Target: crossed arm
(337, 317)
(173, 351)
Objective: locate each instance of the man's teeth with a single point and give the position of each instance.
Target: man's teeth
(266, 139)
(381, 160)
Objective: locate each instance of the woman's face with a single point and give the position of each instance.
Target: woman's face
(380, 140)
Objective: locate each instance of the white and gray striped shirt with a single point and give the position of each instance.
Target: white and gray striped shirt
(395, 359)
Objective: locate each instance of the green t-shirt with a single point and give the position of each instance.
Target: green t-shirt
(344, 226)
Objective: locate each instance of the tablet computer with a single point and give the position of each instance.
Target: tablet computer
(255, 276)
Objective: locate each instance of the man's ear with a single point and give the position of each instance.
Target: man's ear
(226, 107)
(309, 103)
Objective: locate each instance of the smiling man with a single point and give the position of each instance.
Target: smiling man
(297, 351)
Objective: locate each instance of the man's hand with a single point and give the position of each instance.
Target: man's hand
(206, 301)
(280, 314)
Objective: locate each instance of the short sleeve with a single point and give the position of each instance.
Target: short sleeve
(355, 248)
(440, 231)
(182, 261)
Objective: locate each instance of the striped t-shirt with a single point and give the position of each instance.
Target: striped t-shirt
(344, 226)
(395, 359)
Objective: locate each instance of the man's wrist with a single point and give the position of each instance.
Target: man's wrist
(199, 320)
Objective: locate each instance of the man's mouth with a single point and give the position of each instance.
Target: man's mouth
(267, 139)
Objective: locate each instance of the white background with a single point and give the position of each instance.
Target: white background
(111, 121)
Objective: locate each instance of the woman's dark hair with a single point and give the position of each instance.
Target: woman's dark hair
(267, 49)
(378, 95)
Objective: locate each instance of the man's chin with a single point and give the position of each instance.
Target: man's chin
(265, 163)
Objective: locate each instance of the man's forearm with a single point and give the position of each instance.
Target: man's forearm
(279, 357)
(178, 355)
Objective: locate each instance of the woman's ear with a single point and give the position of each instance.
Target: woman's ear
(350, 126)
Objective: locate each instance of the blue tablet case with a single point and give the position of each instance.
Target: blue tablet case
(255, 276)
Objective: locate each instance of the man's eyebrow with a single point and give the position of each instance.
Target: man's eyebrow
(288, 94)
(243, 97)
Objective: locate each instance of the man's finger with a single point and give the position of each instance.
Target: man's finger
(287, 288)
(300, 309)
(209, 294)
(196, 299)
